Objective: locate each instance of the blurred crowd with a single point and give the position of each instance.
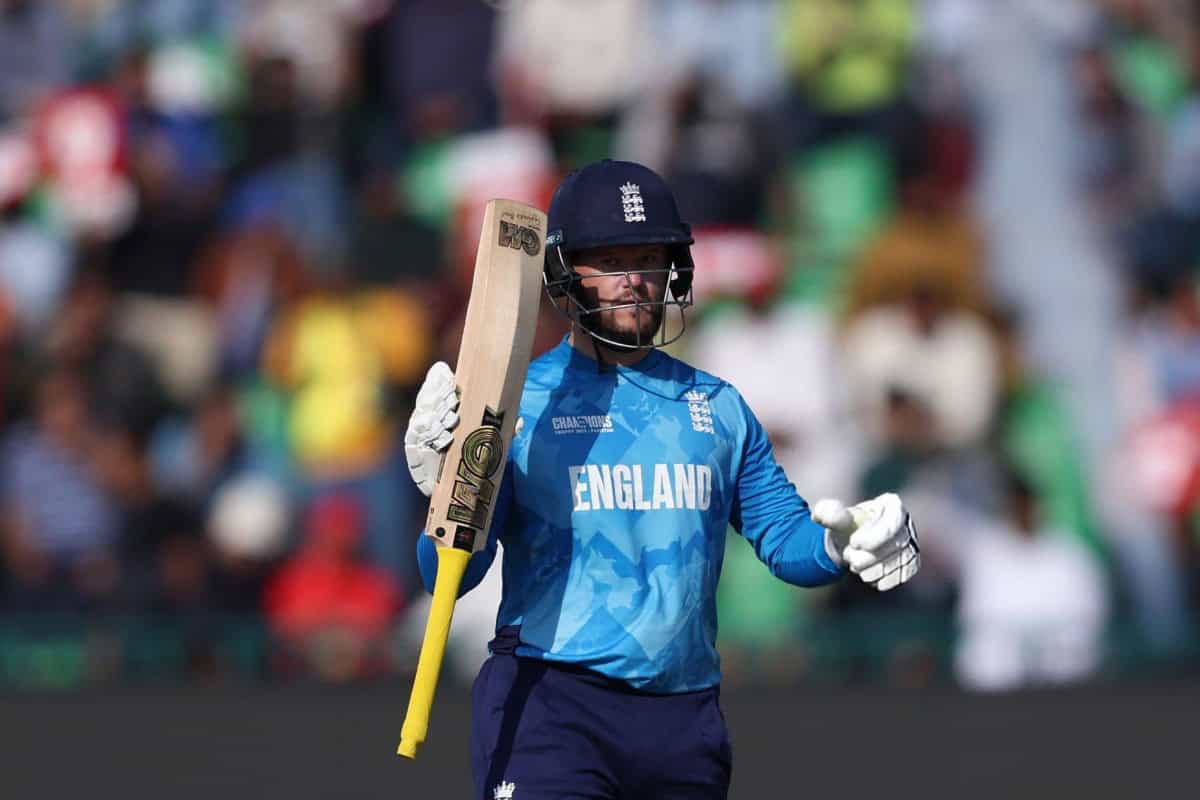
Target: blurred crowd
(944, 248)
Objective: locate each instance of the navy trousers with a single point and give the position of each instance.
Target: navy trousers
(541, 731)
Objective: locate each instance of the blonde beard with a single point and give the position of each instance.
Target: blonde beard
(622, 338)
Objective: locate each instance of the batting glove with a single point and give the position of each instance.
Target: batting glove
(876, 539)
(430, 426)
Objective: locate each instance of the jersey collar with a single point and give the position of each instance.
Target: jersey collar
(581, 362)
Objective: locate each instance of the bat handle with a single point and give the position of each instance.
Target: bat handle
(452, 563)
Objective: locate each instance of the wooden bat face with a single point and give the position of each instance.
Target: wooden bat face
(490, 372)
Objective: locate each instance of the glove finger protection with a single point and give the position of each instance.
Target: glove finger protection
(875, 539)
(431, 426)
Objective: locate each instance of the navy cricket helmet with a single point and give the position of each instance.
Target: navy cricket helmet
(609, 203)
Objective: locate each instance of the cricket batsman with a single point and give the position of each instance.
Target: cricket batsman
(627, 467)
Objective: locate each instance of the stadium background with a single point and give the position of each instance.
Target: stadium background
(945, 247)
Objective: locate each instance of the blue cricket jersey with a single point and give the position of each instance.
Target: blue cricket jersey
(613, 511)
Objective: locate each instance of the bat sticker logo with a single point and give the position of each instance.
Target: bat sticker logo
(519, 237)
(474, 485)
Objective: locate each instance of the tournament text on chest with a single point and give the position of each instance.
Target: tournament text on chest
(603, 487)
(583, 423)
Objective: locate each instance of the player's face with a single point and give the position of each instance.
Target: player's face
(627, 283)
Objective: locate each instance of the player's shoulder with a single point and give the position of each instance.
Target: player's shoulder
(546, 371)
(694, 381)
(666, 373)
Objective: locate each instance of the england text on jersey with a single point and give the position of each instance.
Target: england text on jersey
(597, 487)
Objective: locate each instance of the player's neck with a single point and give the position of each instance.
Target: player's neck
(587, 345)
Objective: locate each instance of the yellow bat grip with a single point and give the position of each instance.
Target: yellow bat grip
(452, 563)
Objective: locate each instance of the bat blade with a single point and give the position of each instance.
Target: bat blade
(490, 374)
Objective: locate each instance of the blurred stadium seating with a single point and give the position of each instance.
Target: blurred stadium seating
(234, 234)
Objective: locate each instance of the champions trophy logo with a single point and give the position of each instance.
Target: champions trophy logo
(631, 202)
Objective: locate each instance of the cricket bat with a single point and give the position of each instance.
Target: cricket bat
(490, 373)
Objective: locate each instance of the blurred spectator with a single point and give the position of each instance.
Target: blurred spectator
(565, 60)
(197, 457)
(1034, 602)
(715, 153)
(248, 531)
(702, 120)
(389, 243)
(315, 35)
(1181, 167)
(35, 268)
(344, 358)
(1159, 384)
(431, 96)
(174, 164)
(846, 63)
(939, 483)
(173, 159)
(909, 440)
(82, 149)
(121, 381)
(34, 54)
(572, 69)
(922, 347)
(312, 37)
(340, 352)
(1150, 46)
(727, 45)
(178, 336)
(110, 28)
(1161, 483)
(18, 168)
(272, 113)
(931, 237)
(916, 324)
(33, 274)
(60, 527)
(164, 558)
(1161, 356)
(1177, 30)
(16, 370)
(246, 276)
(1110, 151)
(286, 174)
(330, 607)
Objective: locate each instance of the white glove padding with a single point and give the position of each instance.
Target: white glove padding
(430, 426)
(875, 538)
